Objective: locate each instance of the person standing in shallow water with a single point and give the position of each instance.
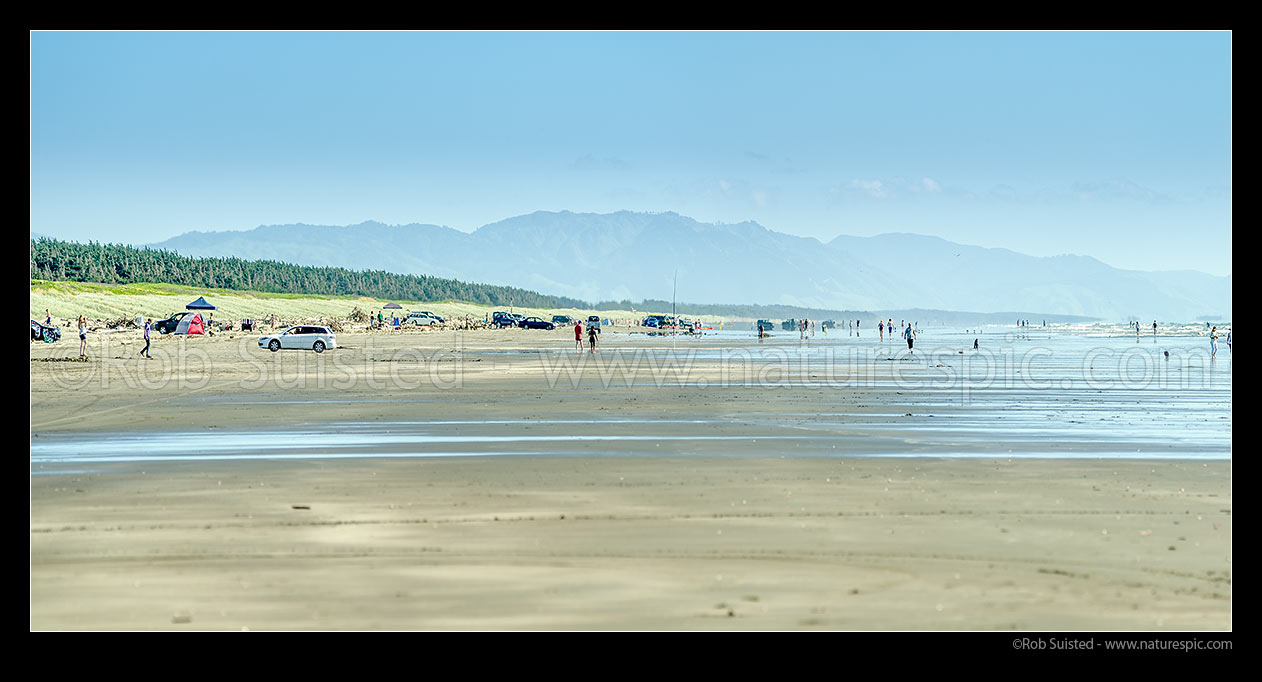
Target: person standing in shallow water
(1213, 342)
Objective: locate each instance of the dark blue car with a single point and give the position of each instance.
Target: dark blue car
(535, 323)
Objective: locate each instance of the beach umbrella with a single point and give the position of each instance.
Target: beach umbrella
(200, 304)
(392, 306)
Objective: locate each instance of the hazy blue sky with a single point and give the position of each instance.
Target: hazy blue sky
(1110, 144)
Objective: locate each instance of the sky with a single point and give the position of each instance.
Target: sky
(1115, 145)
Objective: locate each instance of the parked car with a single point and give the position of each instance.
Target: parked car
(423, 318)
(593, 321)
(562, 320)
(301, 337)
(169, 325)
(503, 319)
(535, 323)
(766, 325)
(42, 332)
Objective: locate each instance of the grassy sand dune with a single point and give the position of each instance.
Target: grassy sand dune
(68, 300)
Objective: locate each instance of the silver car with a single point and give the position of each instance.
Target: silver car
(423, 319)
(301, 337)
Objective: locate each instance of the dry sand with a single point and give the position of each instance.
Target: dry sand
(696, 536)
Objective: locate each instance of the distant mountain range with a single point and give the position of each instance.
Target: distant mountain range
(625, 255)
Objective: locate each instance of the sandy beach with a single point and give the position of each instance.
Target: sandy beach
(497, 480)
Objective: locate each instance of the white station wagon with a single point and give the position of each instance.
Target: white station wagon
(302, 337)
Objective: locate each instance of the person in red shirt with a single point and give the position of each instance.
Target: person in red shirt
(578, 336)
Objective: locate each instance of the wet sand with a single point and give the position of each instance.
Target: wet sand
(824, 524)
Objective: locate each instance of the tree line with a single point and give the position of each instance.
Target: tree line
(53, 259)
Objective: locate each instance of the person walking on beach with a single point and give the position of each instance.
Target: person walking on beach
(48, 318)
(83, 337)
(148, 325)
(1213, 342)
(911, 338)
(591, 338)
(578, 336)
(974, 344)
(880, 328)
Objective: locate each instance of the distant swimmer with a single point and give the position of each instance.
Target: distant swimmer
(1167, 355)
(1154, 329)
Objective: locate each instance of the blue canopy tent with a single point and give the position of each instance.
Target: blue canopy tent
(200, 304)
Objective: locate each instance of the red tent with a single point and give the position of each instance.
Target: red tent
(191, 324)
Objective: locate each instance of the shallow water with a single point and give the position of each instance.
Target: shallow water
(1039, 394)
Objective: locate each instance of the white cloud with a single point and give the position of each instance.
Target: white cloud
(930, 185)
(873, 188)
(1115, 189)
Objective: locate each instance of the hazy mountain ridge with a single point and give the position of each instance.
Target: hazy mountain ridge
(628, 255)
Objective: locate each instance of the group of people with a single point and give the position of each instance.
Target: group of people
(593, 331)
